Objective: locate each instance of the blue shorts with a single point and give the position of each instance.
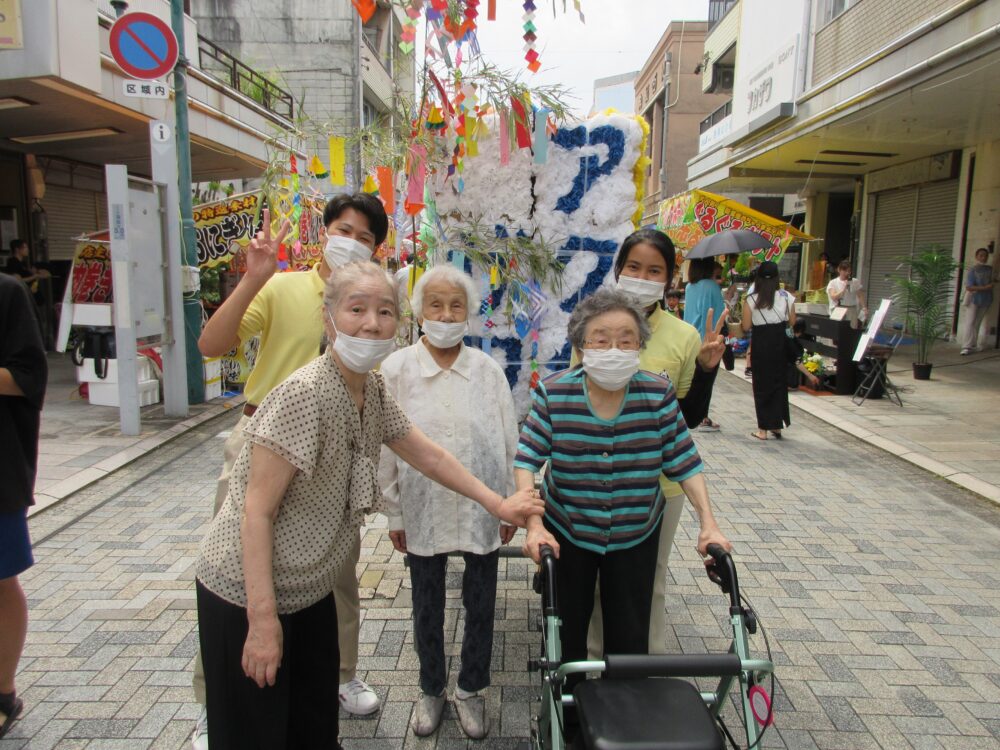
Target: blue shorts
(15, 544)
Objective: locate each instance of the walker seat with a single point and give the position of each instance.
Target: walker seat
(644, 714)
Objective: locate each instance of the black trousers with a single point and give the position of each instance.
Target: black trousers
(626, 578)
(479, 594)
(300, 709)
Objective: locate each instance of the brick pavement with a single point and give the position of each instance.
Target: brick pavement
(877, 583)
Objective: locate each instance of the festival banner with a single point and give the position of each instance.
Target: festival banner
(225, 227)
(689, 217)
(91, 276)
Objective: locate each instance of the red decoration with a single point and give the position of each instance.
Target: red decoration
(520, 123)
(365, 9)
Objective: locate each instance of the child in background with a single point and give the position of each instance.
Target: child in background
(674, 303)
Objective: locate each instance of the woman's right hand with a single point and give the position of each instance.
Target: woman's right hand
(516, 509)
(537, 536)
(398, 539)
(262, 650)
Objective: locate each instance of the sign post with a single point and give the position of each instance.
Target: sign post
(164, 158)
(143, 46)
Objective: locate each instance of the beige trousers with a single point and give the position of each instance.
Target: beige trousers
(658, 611)
(345, 592)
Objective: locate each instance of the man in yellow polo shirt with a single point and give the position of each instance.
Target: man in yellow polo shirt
(285, 311)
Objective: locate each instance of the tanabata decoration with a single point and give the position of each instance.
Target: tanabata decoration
(530, 36)
(317, 169)
(386, 190)
(365, 9)
(580, 201)
(338, 161)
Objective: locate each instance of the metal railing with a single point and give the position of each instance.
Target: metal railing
(717, 10)
(218, 63)
(716, 117)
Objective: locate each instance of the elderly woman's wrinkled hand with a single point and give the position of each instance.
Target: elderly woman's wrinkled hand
(507, 533)
(262, 650)
(515, 510)
(710, 534)
(398, 539)
(534, 541)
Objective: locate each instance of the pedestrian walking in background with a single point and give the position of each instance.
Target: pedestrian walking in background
(702, 297)
(23, 375)
(298, 495)
(769, 312)
(283, 310)
(459, 397)
(979, 283)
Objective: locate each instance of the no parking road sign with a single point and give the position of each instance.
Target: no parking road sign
(143, 45)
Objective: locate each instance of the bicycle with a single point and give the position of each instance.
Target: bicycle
(625, 709)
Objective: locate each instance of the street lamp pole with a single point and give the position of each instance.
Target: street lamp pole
(189, 240)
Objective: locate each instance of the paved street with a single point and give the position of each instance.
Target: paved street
(878, 585)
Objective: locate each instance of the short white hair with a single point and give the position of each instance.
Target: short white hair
(452, 277)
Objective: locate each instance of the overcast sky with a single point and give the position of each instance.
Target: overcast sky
(617, 37)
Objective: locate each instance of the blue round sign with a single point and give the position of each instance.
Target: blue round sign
(143, 45)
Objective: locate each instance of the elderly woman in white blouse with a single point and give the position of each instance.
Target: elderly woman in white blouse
(460, 398)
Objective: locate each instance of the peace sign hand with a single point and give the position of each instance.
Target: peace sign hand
(713, 345)
(262, 254)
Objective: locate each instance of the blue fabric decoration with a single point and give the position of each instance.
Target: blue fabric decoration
(605, 250)
(591, 169)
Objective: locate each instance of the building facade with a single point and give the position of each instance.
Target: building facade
(65, 113)
(668, 94)
(343, 74)
(882, 117)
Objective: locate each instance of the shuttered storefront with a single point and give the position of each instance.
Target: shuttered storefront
(71, 212)
(906, 219)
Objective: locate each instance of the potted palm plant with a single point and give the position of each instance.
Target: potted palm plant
(923, 293)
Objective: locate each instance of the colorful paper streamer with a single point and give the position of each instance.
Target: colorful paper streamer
(338, 161)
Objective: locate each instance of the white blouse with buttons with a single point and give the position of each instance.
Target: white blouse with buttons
(469, 411)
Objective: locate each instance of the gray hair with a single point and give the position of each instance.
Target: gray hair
(450, 276)
(598, 303)
(344, 278)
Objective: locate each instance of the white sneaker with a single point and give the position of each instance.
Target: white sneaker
(199, 739)
(358, 698)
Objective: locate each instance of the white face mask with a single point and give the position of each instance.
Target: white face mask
(444, 335)
(342, 250)
(611, 369)
(360, 355)
(644, 292)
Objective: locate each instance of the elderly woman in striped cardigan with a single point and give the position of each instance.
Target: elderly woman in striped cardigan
(608, 431)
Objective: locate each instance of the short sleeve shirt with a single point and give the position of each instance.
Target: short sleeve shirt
(312, 422)
(602, 489)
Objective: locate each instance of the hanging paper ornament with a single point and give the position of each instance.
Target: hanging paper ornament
(520, 122)
(541, 137)
(435, 120)
(386, 190)
(338, 161)
(417, 170)
(529, 36)
(365, 9)
(317, 169)
(408, 32)
(491, 10)
(370, 187)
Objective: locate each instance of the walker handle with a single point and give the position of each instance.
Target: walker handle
(550, 600)
(722, 571)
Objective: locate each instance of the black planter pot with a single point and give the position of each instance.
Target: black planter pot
(922, 370)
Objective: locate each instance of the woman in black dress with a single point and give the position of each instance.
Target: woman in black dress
(770, 312)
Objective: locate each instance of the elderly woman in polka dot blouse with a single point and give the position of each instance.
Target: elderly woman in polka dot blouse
(299, 491)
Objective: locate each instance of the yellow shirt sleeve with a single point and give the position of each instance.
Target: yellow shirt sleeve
(256, 315)
(688, 364)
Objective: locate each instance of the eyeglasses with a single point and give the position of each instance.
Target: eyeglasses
(602, 343)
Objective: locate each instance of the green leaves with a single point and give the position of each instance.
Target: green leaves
(924, 294)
